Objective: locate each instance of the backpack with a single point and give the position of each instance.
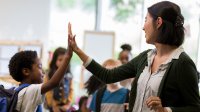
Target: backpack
(9, 97)
(99, 97)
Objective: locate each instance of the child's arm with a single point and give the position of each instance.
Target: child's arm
(58, 75)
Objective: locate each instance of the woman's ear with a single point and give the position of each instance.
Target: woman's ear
(159, 22)
(26, 71)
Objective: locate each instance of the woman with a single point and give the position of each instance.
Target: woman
(165, 78)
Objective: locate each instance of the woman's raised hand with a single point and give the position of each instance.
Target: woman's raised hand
(73, 46)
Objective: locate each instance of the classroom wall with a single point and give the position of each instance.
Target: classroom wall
(24, 19)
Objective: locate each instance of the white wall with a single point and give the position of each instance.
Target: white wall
(24, 19)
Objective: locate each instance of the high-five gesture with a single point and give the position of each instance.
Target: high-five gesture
(72, 45)
(58, 75)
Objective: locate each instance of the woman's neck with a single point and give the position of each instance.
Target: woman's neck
(164, 50)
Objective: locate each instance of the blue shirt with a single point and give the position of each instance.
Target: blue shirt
(111, 101)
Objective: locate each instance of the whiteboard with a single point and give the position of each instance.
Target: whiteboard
(8, 48)
(99, 45)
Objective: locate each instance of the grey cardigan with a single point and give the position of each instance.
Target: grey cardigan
(178, 89)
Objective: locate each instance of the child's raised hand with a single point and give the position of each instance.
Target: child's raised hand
(73, 46)
(71, 39)
(69, 29)
(70, 35)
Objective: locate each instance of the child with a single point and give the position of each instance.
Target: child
(60, 98)
(82, 104)
(125, 56)
(26, 67)
(113, 97)
(91, 86)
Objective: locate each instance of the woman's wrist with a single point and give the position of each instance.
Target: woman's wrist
(76, 50)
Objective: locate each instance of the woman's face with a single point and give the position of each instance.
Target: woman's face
(149, 29)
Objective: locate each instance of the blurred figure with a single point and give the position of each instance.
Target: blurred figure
(125, 56)
(110, 98)
(83, 105)
(91, 85)
(60, 98)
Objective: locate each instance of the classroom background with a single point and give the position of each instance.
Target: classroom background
(99, 25)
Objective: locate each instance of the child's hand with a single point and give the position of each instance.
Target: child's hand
(71, 39)
(70, 35)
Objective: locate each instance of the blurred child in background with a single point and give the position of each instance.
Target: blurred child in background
(60, 98)
(111, 97)
(125, 56)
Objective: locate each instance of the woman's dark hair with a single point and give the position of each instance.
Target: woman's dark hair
(93, 84)
(21, 60)
(52, 67)
(171, 31)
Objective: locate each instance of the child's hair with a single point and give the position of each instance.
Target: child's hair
(125, 55)
(82, 99)
(53, 67)
(93, 84)
(126, 47)
(22, 59)
(111, 62)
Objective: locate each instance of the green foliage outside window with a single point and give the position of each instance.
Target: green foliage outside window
(88, 5)
(66, 4)
(124, 8)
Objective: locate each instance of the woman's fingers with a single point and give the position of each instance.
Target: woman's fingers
(152, 98)
(153, 102)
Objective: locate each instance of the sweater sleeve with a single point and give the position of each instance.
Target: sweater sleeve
(187, 80)
(122, 72)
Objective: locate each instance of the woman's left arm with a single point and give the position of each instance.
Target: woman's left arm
(187, 80)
